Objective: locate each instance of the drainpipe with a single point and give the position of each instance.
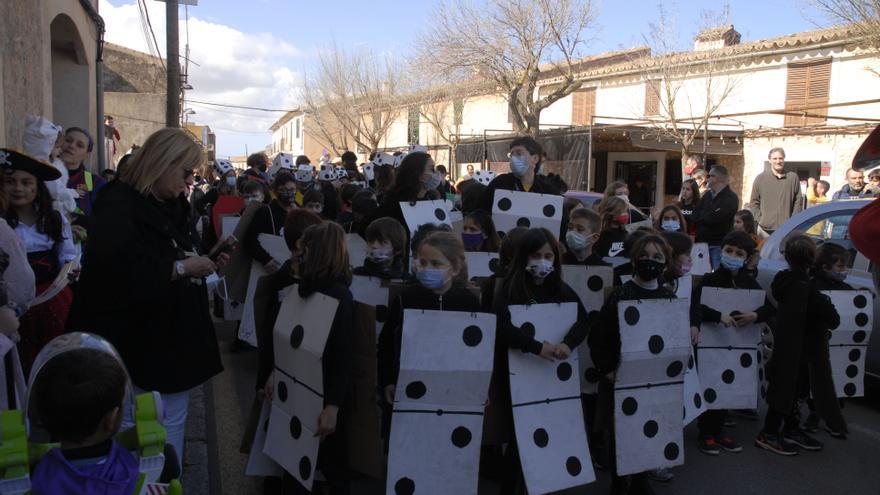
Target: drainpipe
(99, 81)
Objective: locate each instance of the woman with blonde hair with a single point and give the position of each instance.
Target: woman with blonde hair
(142, 284)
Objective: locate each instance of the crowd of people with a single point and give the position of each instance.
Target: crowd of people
(141, 248)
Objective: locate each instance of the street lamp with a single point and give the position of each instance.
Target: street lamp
(186, 114)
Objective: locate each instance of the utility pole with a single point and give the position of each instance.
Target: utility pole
(172, 109)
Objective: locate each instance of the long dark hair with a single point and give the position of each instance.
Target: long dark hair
(48, 220)
(518, 282)
(326, 257)
(491, 242)
(695, 193)
(407, 181)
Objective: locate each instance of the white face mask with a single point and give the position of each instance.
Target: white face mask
(624, 197)
(253, 199)
(670, 225)
(577, 241)
(540, 268)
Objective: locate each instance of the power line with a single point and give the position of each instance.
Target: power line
(152, 33)
(240, 106)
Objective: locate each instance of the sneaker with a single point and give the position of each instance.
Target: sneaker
(775, 444)
(708, 446)
(728, 444)
(802, 440)
(661, 474)
(835, 434)
(811, 425)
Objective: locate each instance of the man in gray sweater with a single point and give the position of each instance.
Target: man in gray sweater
(776, 194)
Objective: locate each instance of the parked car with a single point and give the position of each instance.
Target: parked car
(829, 222)
(588, 198)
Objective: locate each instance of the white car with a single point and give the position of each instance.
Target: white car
(829, 222)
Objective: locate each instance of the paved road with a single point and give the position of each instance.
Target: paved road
(849, 466)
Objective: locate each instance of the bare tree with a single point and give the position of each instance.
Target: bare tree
(864, 15)
(352, 98)
(511, 44)
(681, 112)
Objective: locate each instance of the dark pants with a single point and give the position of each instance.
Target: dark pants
(710, 423)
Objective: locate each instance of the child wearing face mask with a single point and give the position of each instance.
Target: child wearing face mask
(828, 273)
(800, 306)
(615, 216)
(478, 232)
(386, 240)
(441, 273)
(534, 277)
(269, 219)
(736, 248)
(670, 219)
(651, 257)
(582, 234)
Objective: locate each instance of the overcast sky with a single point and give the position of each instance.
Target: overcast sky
(253, 52)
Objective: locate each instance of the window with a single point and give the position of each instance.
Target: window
(833, 227)
(412, 126)
(297, 126)
(583, 106)
(652, 97)
(809, 84)
(457, 111)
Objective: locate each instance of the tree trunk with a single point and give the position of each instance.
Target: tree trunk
(532, 125)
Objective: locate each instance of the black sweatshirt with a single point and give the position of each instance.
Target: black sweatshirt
(592, 260)
(723, 278)
(510, 336)
(414, 296)
(268, 219)
(610, 243)
(605, 337)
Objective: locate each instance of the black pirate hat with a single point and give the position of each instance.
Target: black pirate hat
(11, 160)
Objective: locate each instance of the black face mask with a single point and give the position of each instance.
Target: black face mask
(649, 269)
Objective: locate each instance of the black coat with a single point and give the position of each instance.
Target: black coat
(269, 219)
(162, 328)
(510, 182)
(714, 216)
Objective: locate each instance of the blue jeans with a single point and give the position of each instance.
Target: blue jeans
(715, 256)
(174, 407)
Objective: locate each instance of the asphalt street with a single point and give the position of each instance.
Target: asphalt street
(219, 411)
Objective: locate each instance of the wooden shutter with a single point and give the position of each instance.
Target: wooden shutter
(809, 84)
(583, 106)
(652, 97)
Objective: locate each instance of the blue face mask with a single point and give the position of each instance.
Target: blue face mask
(431, 278)
(670, 225)
(518, 165)
(731, 263)
(230, 181)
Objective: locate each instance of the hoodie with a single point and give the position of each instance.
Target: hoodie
(104, 469)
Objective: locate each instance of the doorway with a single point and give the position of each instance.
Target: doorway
(641, 179)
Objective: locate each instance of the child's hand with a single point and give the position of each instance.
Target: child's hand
(695, 335)
(727, 320)
(562, 351)
(548, 351)
(327, 421)
(389, 393)
(744, 319)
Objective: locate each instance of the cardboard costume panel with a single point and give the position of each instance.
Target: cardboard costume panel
(258, 463)
(592, 284)
(446, 362)
(531, 210)
(238, 269)
(702, 264)
(694, 403)
(728, 355)
(357, 249)
(649, 386)
(417, 213)
(848, 343)
(300, 334)
(547, 411)
(480, 264)
(371, 291)
(277, 248)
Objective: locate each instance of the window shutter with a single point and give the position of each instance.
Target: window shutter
(809, 85)
(583, 106)
(652, 97)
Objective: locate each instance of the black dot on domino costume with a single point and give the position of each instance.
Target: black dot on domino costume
(859, 336)
(852, 371)
(860, 301)
(563, 371)
(758, 354)
(504, 204)
(296, 336)
(282, 391)
(440, 214)
(651, 428)
(594, 283)
(728, 376)
(541, 438)
(745, 360)
(305, 468)
(494, 265)
(461, 437)
(523, 222)
(381, 313)
(698, 401)
(710, 395)
(854, 355)
(674, 369)
(573, 466)
(629, 406)
(862, 319)
(404, 486)
(631, 315)
(549, 211)
(655, 344)
(295, 428)
(528, 330)
(592, 375)
(416, 390)
(671, 451)
(849, 389)
(472, 336)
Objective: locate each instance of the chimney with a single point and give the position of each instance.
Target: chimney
(717, 37)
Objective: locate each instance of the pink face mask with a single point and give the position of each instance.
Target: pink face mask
(685, 268)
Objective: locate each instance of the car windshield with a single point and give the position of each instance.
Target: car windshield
(833, 227)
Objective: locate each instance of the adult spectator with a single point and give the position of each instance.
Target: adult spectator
(349, 163)
(468, 176)
(619, 189)
(692, 164)
(714, 213)
(111, 139)
(75, 151)
(776, 194)
(701, 177)
(854, 188)
(142, 286)
(258, 164)
(526, 156)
